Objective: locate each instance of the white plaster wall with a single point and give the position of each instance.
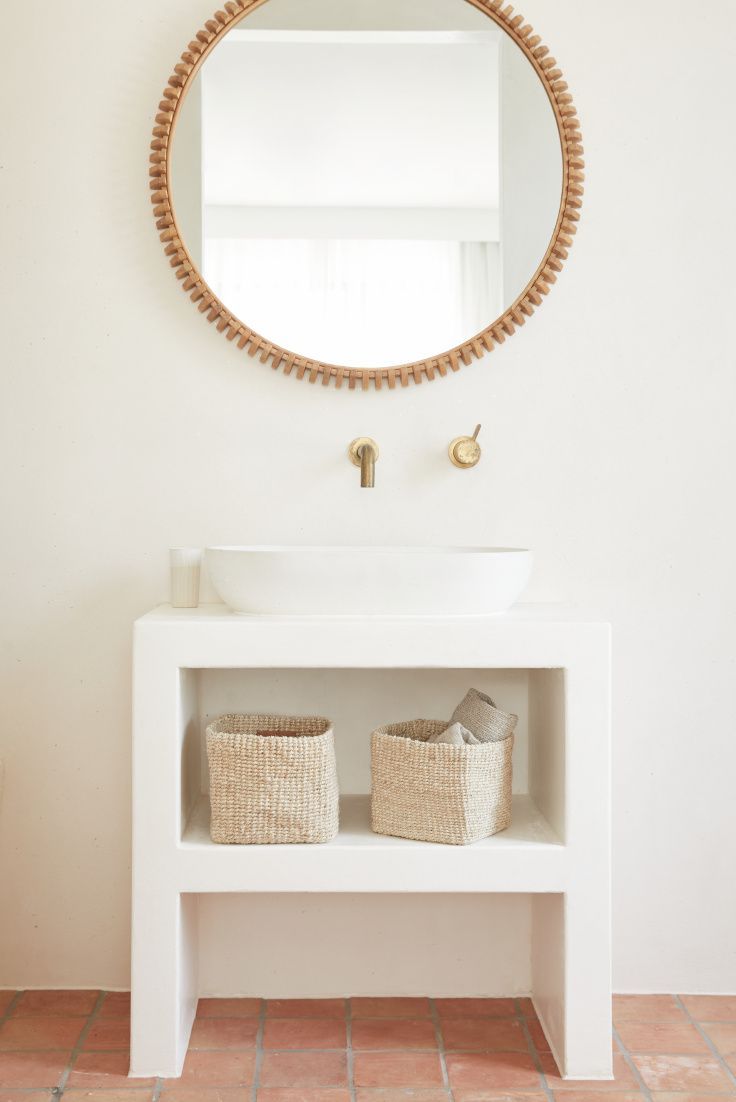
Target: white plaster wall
(128, 427)
(327, 945)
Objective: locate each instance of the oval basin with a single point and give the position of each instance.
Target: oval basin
(380, 581)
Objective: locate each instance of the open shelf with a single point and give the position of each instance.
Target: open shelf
(528, 857)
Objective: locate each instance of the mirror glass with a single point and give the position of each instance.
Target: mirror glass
(367, 182)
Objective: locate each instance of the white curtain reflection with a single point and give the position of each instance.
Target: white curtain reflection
(359, 302)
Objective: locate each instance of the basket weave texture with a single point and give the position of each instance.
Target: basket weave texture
(272, 788)
(437, 792)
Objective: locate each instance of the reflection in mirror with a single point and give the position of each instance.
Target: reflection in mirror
(367, 182)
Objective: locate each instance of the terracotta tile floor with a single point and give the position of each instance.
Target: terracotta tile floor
(74, 1044)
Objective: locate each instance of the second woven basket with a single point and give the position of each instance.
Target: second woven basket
(435, 792)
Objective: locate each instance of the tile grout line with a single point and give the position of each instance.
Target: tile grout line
(321, 1048)
(533, 1051)
(259, 1051)
(316, 1048)
(631, 1063)
(408, 1049)
(721, 1060)
(439, 1037)
(10, 1007)
(350, 1055)
(60, 1087)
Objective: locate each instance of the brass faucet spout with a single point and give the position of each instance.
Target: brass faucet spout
(367, 467)
(363, 453)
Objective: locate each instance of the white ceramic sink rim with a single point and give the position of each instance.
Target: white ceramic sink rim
(312, 580)
(367, 549)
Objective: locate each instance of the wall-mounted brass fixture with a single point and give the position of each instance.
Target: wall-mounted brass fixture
(364, 452)
(465, 450)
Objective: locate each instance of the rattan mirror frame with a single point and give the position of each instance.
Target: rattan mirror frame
(476, 347)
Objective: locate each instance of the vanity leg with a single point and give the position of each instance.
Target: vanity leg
(164, 936)
(588, 1026)
(163, 982)
(571, 980)
(572, 986)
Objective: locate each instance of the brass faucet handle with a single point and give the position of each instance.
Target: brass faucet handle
(356, 448)
(465, 450)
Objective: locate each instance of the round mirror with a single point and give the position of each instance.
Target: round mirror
(350, 185)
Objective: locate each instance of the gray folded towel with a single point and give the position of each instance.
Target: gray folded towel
(483, 719)
(455, 735)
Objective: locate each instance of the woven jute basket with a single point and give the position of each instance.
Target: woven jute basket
(436, 792)
(272, 779)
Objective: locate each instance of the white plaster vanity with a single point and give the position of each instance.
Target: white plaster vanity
(558, 848)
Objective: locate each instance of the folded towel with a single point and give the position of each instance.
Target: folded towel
(455, 735)
(483, 719)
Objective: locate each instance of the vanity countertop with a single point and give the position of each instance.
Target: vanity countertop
(551, 612)
(549, 636)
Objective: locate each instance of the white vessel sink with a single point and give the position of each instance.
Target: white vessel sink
(401, 581)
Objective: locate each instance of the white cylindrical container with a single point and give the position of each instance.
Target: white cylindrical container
(185, 567)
